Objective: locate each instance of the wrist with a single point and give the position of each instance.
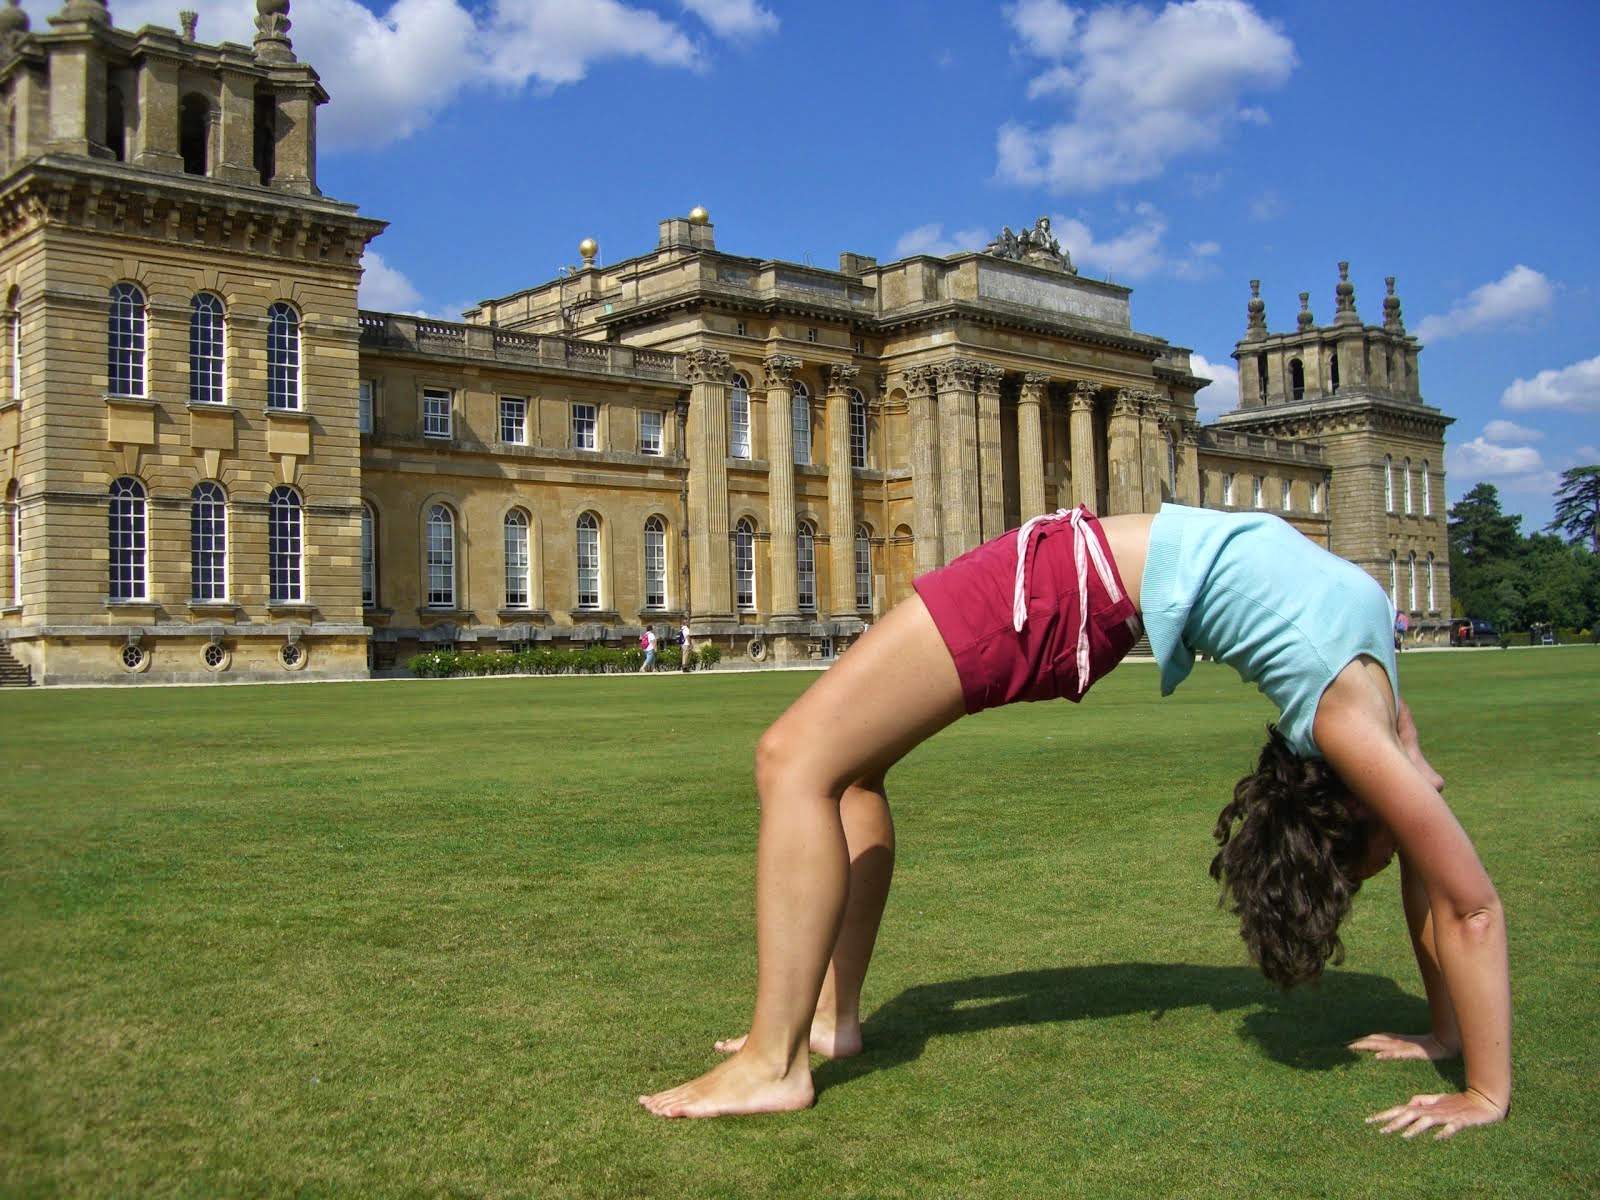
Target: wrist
(1503, 1108)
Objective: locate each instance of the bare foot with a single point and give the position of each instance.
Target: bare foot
(733, 1088)
(841, 1042)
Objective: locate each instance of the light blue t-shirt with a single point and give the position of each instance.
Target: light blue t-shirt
(1250, 591)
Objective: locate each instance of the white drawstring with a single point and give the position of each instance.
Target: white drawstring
(1086, 545)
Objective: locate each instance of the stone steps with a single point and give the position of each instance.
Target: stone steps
(13, 673)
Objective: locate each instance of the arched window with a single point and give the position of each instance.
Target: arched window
(739, 417)
(655, 563)
(801, 406)
(283, 357)
(1406, 467)
(285, 547)
(1433, 603)
(1411, 563)
(858, 430)
(863, 567)
(14, 503)
(1427, 491)
(208, 542)
(1333, 371)
(441, 557)
(205, 349)
(194, 133)
(805, 564)
(1394, 579)
(519, 563)
(744, 565)
(1261, 378)
(588, 561)
(1297, 379)
(129, 540)
(1388, 484)
(125, 342)
(369, 557)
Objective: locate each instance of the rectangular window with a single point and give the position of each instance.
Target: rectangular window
(1227, 490)
(1288, 496)
(364, 407)
(1316, 497)
(513, 421)
(739, 328)
(436, 412)
(583, 427)
(811, 335)
(1255, 491)
(649, 431)
(739, 419)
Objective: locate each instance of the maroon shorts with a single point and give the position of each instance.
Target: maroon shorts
(972, 603)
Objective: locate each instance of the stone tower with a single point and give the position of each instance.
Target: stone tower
(178, 418)
(1354, 389)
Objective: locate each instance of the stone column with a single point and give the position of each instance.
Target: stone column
(841, 495)
(1030, 443)
(991, 465)
(958, 437)
(780, 484)
(236, 145)
(927, 548)
(295, 149)
(1189, 465)
(710, 552)
(155, 135)
(1085, 487)
(1153, 445)
(1123, 457)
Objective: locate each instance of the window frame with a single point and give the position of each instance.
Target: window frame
(587, 562)
(366, 399)
(858, 431)
(800, 423)
(285, 546)
(208, 349)
(283, 357)
(655, 563)
(208, 543)
(369, 556)
(438, 424)
(517, 546)
(585, 418)
(439, 558)
(513, 421)
(805, 567)
(863, 551)
(127, 330)
(739, 417)
(744, 565)
(128, 514)
(649, 417)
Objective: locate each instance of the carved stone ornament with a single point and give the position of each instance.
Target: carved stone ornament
(781, 369)
(918, 380)
(958, 373)
(1037, 246)
(841, 376)
(707, 366)
(272, 31)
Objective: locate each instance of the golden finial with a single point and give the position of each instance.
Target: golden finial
(699, 216)
(588, 248)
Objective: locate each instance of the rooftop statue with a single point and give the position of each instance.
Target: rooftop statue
(1037, 246)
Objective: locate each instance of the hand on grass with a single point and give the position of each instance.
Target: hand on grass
(1445, 1114)
(1390, 1047)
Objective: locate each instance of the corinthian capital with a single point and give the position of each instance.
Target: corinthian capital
(708, 366)
(989, 376)
(1128, 403)
(841, 376)
(918, 380)
(1034, 386)
(781, 369)
(1084, 394)
(958, 373)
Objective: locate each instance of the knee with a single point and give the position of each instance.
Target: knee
(780, 756)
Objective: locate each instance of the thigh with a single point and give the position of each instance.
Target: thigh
(895, 688)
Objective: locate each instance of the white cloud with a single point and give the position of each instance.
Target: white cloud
(390, 74)
(1510, 431)
(1137, 251)
(1266, 206)
(383, 288)
(1520, 293)
(1140, 87)
(734, 18)
(1222, 393)
(930, 239)
(1572, 389)
(1481, 457)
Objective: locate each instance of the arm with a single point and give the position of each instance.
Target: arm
(1445, 1039)
(1358, 731)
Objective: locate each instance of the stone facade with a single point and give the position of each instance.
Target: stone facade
(769, 450)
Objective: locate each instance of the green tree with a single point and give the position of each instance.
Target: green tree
(1578, 507)
(1484, 545)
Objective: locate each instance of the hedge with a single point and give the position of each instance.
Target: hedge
(444, 664)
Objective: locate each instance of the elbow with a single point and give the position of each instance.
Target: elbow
(1483, 921)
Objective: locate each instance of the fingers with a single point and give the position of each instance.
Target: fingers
(1446, 1115)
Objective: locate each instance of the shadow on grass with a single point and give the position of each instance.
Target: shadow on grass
(1306, 1030)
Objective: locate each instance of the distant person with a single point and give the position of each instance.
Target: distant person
(687, 645)
(1043, 612)
(647, 643)
(1402, 623)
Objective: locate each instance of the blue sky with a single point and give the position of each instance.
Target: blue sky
(1181, 149)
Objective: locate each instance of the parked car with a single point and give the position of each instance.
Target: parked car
(1474, 633)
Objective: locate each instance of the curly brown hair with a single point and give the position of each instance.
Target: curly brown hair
(1290, 857)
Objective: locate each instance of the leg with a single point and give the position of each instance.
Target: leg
(869, 837)
(898, 687)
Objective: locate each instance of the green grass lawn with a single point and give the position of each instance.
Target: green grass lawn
(432, 938)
